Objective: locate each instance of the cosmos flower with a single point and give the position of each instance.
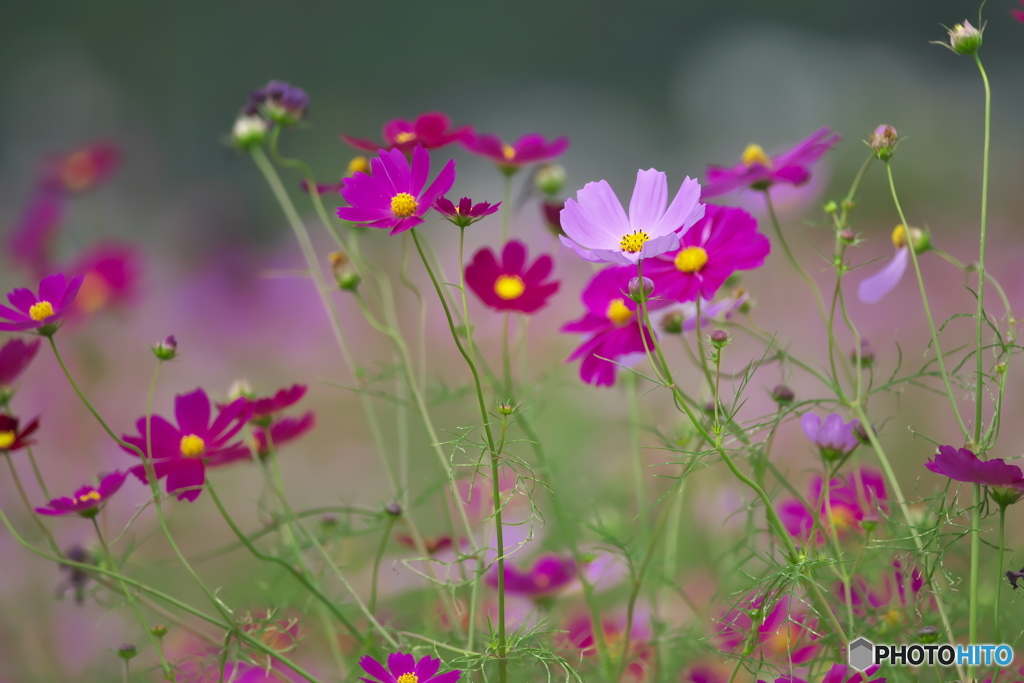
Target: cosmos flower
(1018, 14)
(580, 636)
(887, 601)
(182, 453)
(282, 431)
(403, 668)
(393, 194)
(960, 464)
(32, 237)
(833, 437)
(466, 212)
(11, 437)
(723, 241)
(429, 131)
(874, 288)
(111, 277)
(40, 312)
(610, 323)
(598, 230)
(88, 499)
(529, 149)
(268, 406)
(281, 102)
(80, 169)
(508, 284)
(549, 574)
(358, 164)
(856, 498)
(758, 171)
(785, 630)
(15, 356)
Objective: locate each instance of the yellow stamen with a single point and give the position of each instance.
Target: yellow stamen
(192, 446)
(509, 287)
(899, 236)
(754, 154)
(7, 440)
(408, 678)
(691, 259)
(86, 497)
(842, 518)
(634, 242)
(509, 151)
(40, 310)
(403, 205)
(894, 617)
(618, 313)
(403, 138)
(358, 165)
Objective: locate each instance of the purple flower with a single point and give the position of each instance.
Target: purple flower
(509, 285)
(14, 358)
(723, 241)
(874, 288)
(32, 236)
(833, 437)
(759, 171)
(466, 212)
(282, 431)
(268, 406)
(279, 101)
(598, 230)
(393, 195)
(429, 130)
(11, 437)
(549, 574)
(88, 499)
(610, 323)
(960, 464)
(42, 312)
(529, 149)
(403, 668)
(182, 453)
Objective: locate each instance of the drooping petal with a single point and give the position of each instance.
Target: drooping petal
(875, 287)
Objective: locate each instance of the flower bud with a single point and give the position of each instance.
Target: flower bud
(964, 39)
(719, 338)
(159, 630)
(167, 348)
(928, 634)
(506, 408)
(553, 216)
(883, 141)
(867, 354)
(127, 651)
(393, 509)
(281, 102)
(638, 286)
(329, 521)
(240, 388)
(358, 164)
(672, 323)
(250, 131)
(920, 240)
(550, 179)
(869, 524)
(831, 206)
(346, 277)
(782, 394)
(847, 236)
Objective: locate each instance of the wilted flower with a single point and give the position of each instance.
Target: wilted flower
(723, 241)
(281, 432)
(549, 574)
(598, 230)
(758, 171)
(883, 141)
(393, 195)
(529, 149)
(429, 131)
(403, 668)
(88, 499)
(1006, 481)
(40, 312)
(465, 213)
(833, 437)
(511, 284)
(13, 438)
(873, 288)
(15, 356)
(182, 453)
(281, 102)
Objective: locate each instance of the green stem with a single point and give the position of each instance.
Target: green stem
(376, 563)
(28, 505)
(639, 483)
(979, 322)
(38, 474)
(792, 259)
(999, 573)
(506, 207)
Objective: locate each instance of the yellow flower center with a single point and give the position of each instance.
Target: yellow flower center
(509, 151)
(86, 497)
(509, 287)
(403, 138)
(894, 617)
(691, 259)
(899, 236)
(754, 154)
(842, 518)
(780, 641)
(358, 165)
(7, 439)
(40, 310)
(408, 678)
(634, 242)
(192, 446)
(403, 205)
(618, 313)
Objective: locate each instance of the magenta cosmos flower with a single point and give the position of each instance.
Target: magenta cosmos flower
(40, 312)
(393, 194)
(857, 497)
(598, 230)
(529, 149)
(88, 499)
(509, 285)
(874, 288)
(267, 406)
(281, 432)
(429, 130)
(959, 464)
(610, 323)
(834, 437)
(111, 275)
(759, 171)
(14, 358)
(580, 635)
(889, 602)
(12, 438)
(723, 241)
(403, 668)
(182, 453)
(31, 238)
(786, 631)
(549, 574)
(1018, 14)
(465, 213)
(81, 169)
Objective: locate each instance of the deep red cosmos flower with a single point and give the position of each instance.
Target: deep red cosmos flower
(40, 312)
(1006, 481)
(282, 431)
(11, 437)
(429, 131)
(88, 499)
(509, 285)
(529, 149)
(465, 213)
(759, 171)
(268, 406)
(549, 574)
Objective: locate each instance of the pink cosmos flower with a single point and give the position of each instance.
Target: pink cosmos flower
(42, 312)
(509, 285)
(839, 673)
(854, 498)
(466, 212)
(610, 323)
(833, 437)
(1018, 14)
(11, 437)
(282, 432)
(88, 499)
(111, 277)
(182, 453)
(81, 169)
(598, 230)
(549, 574)
(959, 464)
(874, 288)
(14, 358)
(403, 668)
(429, 131)
(581, 637)
(32, 237)
(758, 171)
(529, 149)
(393, 194)
(268, 406)
(786, 632)
(723, 241)
(877, 601)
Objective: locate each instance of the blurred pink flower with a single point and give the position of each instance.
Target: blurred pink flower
(834, 437)
(31, 238)
(529, 149)
(1006, 481)
(580, 636)
(14, 438)
(758, 171)
(88, 499)
(81, 169)
(15, 356)
(857, 496)
(429, 130)
(785, 631)
(282, 431)
(264, 407)
(548, 575)
(111, 277)
(465, 213)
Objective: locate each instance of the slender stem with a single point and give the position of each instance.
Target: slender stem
(28, 505)
(376, 563)
(972, 627)
(506, 207)
(999, 572)
(979, 322)
(639, 483)
(792, 259)
(39, 475)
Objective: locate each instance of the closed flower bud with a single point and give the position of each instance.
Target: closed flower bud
(831, 206)
(550, 179)
(782, 394)
(553, 216)
(847, 236)
(346, 277)
(928, 634)
(867, 354)
(127, 651)
(159, 630)
(672, 323)
(167, 348)
(240, 388)
(919, 239)
(719, 338)
(883, 141)
(638, 286)
(506, 409)
(964, 39)
(393, 509)
(250, 131)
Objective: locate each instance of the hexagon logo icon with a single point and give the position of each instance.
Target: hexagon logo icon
(862, 654)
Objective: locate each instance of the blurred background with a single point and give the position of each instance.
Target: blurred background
(669, 85)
